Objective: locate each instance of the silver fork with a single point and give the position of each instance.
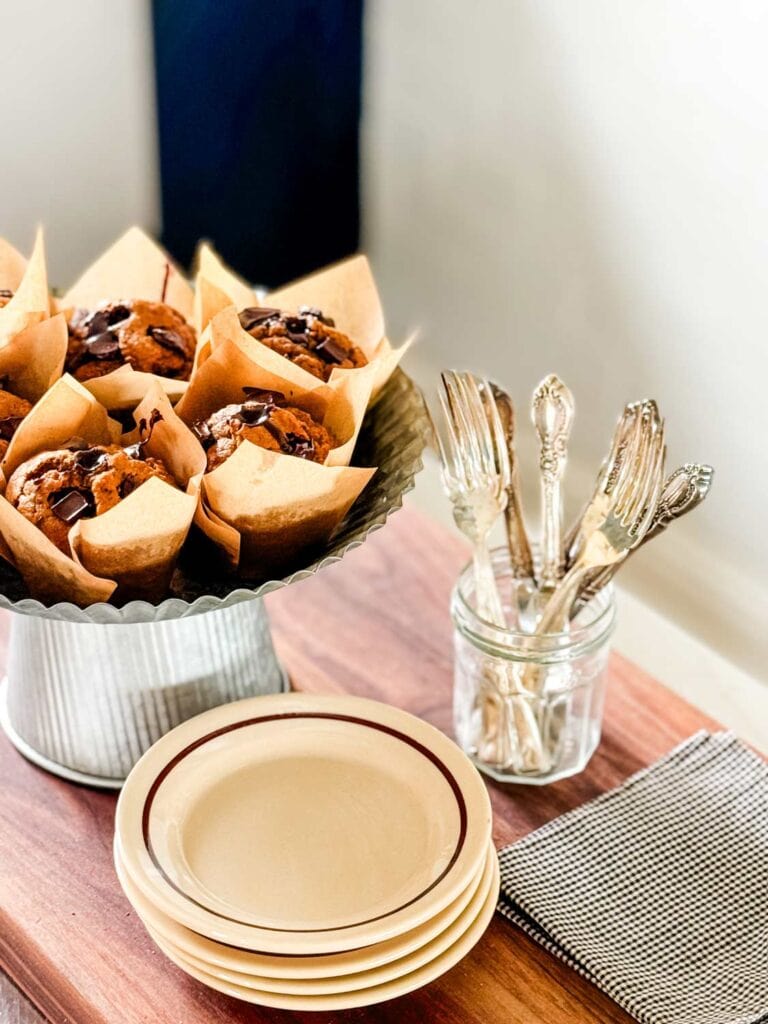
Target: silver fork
(620, 523)
(476, 475)
(613, 523)
(683, 490)
(624, 437)
(520, 557)
(552, 412)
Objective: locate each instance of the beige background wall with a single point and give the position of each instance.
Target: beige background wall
(78, 104)
(581, 187)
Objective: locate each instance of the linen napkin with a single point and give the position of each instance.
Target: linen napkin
(657, 891)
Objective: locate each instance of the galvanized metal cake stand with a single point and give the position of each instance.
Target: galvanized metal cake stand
(89, 690)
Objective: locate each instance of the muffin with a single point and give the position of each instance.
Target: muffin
(150, 336)
(5, 296)
(55, 489)
(12, 411)
(307, 338)
(266, 420)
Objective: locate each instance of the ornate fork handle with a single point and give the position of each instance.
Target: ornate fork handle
(683, 490)
(552, 414)
(551, 555)
(520, 556)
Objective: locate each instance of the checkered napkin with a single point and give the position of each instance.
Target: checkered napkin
(658, 891)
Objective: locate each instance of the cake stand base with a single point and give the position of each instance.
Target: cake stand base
(85, 700)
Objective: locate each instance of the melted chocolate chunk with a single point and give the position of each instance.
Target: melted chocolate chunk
(136, 451)
(293, 444)
(97, 324)
(296, 325)
(330, 351)
(90, 459)
(317, 314)
(8, 426)
(262, 395)
(6, 293)
(168, 338)
(102, 346)
(255, 415)
(255, 315)
(258, 406)
(126, 487)
(203, 433)
(72, 503)
(100, 321)
(117, 315)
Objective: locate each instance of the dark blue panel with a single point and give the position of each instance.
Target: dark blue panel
(258, 111)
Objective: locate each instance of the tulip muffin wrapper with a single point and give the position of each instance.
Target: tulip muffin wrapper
(345, 291)
(263, 509)
(28, 280)
(128, 552)
(133, 268)
(33, 359)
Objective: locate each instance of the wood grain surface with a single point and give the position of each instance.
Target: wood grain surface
(376, 625)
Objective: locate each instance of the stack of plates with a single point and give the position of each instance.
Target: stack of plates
(308, 853)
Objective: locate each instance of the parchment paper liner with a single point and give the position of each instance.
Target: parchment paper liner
(28, 281)
(33, 359)
(125, 387)
(132, 548)
(345, 291)
(135, 267)
(264, 509)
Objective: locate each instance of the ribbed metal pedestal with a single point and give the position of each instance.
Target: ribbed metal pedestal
(85, 700)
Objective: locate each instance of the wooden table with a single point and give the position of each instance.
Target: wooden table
(376, 625)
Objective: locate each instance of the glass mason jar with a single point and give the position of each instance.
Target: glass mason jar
(528, 708)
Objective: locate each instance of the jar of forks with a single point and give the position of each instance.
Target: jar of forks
(528, 706)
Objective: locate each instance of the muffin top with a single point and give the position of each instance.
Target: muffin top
(150, 336)
(307, 338)
(265, 419)
(54, 489)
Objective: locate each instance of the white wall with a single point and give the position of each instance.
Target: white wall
(77, 129)
(582, 187)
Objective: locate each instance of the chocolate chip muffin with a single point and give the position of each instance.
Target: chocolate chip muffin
(12, 411)
(151, 336)
(5, 296)
(55, 489)
(307, 338)
(267, 420)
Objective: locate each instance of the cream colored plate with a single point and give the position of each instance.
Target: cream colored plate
(343, 998)
(303, 824)
(329, 975)
(296, 967)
